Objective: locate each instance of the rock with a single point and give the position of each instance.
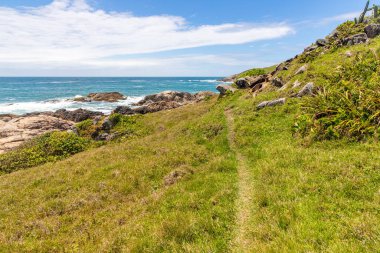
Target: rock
(372, 30)
(124, 110)
(257, 80)
(242, 83)
(105, 137)
(257, 87)
(311, 48)
(277, 82)
(355, 39)
(17, 130)
(106, 96)
(168, 96)
(203, 95)
(348, 54)
(157, 106)
(224, 89)
(306, 90)
(301, 70)
(333, 35)
(321, 42)
(296, 84)
(82, 99)
(280, 101)
(76, 116)
(107, 124)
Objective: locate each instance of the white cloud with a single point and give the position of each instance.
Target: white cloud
(70, 32)
(340, 18)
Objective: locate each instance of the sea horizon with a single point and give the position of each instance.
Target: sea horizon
(21, 95)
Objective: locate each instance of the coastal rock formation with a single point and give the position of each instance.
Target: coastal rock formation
(76, 116)
(224, 89)
(101, 97)
(14, 130)
(168, 96)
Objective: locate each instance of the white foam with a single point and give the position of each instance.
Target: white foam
(53, 105)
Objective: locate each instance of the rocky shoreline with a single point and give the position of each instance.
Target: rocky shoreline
(16, 130)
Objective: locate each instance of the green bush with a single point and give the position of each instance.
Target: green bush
(86, 128)
(349, 106)
(46, 148)
(253, 72)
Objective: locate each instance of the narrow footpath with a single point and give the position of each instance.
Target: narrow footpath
(241, 240)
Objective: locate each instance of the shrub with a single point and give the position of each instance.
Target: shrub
(46, 148)
(348, 106)
(86, 128)
(252, 72)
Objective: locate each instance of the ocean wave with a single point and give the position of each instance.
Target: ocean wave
(203, 81)
(57, 82)
(68, 104)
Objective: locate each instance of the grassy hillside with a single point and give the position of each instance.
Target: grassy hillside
(220, 175)
(323, 197)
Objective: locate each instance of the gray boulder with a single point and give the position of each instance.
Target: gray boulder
(257, 80)
(76, 116)
(306, 90)
(277, 82)
(311, 48)
(301, 70)
(224, 89)
(106, 96)
(372, 30)
(242, 83)
(280, 101)
(124, 110)
(322, 42)
(355, 39)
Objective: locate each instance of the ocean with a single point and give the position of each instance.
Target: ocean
(37, 94)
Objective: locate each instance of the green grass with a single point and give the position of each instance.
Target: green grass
(322, 197)
(114, 198)
(257, 71)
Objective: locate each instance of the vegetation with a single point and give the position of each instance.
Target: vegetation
(46, 148)
(257, 71)
(346, 105)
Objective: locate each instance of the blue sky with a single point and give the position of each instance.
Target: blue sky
(159, 37)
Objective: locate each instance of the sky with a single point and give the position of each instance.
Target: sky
(160, 37)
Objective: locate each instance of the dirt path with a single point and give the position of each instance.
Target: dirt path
(240, 242)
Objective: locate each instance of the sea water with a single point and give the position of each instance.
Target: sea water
(37, 94)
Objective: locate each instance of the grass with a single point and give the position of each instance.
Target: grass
(322, 197)
(257, 71)
(114, 198)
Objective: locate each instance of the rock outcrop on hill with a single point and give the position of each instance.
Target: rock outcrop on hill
(15, 130)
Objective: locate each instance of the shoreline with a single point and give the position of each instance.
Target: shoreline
(17, 129)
